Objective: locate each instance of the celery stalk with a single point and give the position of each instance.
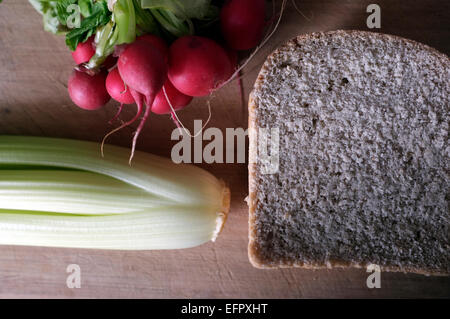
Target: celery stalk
(62, 193)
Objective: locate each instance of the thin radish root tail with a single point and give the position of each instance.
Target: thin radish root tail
(102, 146)
(149, 103)
(117, 114)
(138, 98)
(242, 93)
(174, 119)
(177, 121)
(301, 13)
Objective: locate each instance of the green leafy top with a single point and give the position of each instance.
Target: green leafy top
(186, 9)
(99, 15)
(121, 21)
(176, 16)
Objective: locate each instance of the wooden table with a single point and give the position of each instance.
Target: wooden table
(34, 67)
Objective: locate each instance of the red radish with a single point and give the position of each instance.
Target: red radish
(157, 42)
(143, 68)
(116, 88)
(197, 65)
(177, 99)
(84, 51)
(144, 71)
(88, 91)
(242, 23)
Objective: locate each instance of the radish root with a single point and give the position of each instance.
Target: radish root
(139, 102)
(117, 114)
(140, 127)
(242, 93)
(294, 3)
(177, 121)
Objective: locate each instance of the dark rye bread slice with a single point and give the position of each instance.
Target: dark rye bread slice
(364, 155)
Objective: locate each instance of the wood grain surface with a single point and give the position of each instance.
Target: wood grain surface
(34, 67)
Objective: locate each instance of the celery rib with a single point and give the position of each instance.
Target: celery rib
(62, 193)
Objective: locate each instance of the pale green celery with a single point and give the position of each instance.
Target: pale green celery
(125, 19)
(103, 202)
(176, 16)
(72, 192)
(180, 227)
(145, 23)
(105, 39)
(177, 27)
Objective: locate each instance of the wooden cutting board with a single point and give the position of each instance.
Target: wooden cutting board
(34, 67)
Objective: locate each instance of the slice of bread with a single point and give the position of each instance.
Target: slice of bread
(363, 174)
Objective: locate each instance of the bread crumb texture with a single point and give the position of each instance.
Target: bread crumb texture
(364, 154)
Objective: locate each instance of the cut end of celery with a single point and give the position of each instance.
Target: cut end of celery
(222, 215)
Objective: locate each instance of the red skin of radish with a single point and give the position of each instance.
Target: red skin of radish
(176, 98)
(88, 92)
(156, 42)
(142, 67)
(144, 70)
(116, 88)
(197, 65)
(84, 51)
(242, 23)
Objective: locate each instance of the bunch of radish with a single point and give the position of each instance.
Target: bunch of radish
(163, 78)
